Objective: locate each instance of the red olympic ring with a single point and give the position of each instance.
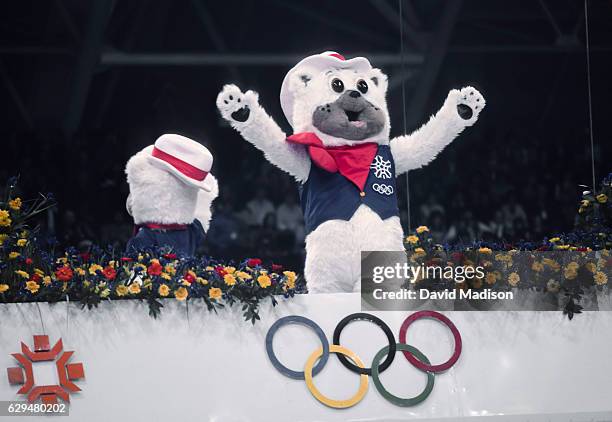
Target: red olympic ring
(436, 315)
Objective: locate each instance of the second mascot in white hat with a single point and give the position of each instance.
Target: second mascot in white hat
(171, 193)
(342, 156)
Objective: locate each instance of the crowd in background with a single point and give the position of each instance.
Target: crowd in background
(521, 189)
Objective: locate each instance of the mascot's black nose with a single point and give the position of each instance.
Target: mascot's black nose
(355, 94)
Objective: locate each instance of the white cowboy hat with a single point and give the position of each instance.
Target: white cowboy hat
(185, 158)
(319, 62)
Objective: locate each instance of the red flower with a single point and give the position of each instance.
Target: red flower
(84, 256)
(126, 259)
(220, 270)
(189, 277)
(155, 268)
(254, 262)
(170, 256)
(457, 256)
(109, 273)
(36, 277)
(277, 267)
(28, 261)
(64, 273)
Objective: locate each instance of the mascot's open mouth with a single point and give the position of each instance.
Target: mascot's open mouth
(349, 117)
(353, 118)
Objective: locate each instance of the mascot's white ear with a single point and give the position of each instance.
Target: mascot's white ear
(300, 79)
(379, 79)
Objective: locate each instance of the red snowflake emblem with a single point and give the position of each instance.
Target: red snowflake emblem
(66, 372)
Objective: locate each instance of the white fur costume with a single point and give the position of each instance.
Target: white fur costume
(333, 248)
(158, 196)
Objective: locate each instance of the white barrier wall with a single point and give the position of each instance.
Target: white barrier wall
(198, 366)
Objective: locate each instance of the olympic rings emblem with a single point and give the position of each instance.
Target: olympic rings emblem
(354, 363)
(383, 189)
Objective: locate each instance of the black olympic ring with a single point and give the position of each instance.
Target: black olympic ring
(361, 316)
(296, 319)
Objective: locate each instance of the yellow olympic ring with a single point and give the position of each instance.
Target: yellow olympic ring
(337, 404)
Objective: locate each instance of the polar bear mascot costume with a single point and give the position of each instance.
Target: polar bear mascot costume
(341, 155)
(171, 193)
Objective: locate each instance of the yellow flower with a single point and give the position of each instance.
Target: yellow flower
(422, 229)
(4, 288)
(562, 247)
(5, 219)
(570, 273)
(163, 290)
(412, 239)
(32, 286)
(602, 198)
(485, 250)
(209, 268)
(490, 278)
(291, 277)
(14, 255)
(121, 290)
(181, 293)
(229, 279)
(105, 293)
(513, 279)
(80, 271)
(600, 278)
(15, 204)
(215, 293)
(46, 280)
(95, 267)
(553, 286)
(230, 270)
(572, 265)
(584, 203)
(22, 274)
(420, 251)
(22, 242)
(537, 266)
(3, 238)
(134, 288)
(264, 281)
(166, 276)
(551, 263)
(554, 239)
(591, 267)
(243, 276)
(202, 280)
(170, 270)
(502, 258)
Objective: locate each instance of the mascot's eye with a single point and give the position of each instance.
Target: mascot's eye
(337, 85)
(362, 86)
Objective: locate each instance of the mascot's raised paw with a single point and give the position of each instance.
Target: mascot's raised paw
(468, 103)
(234, 105)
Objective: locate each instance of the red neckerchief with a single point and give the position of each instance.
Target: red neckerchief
(353, 162)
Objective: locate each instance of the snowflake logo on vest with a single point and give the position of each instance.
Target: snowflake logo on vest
(381, 167)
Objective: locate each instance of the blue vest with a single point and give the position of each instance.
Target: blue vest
(331, 196)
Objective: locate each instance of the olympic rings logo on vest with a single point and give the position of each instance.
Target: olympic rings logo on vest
(383, 189)
(318, 359)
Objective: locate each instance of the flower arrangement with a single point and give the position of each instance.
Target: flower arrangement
(30, 274)
(565, 264)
